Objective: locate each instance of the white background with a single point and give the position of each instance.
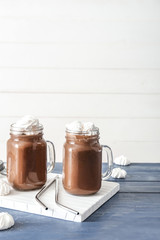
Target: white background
(92, 60)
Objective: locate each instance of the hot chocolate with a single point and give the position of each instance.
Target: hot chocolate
(26, 161)
(82, 164)
(82, 159)
(27, 155)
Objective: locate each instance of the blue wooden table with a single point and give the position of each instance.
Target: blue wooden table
(133, 213)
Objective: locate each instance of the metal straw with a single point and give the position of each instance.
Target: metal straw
(44, 188)
(61, 205)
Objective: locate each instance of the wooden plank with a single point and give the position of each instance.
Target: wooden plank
(139, 212)
(148, 180)
(80, 81)
(93, 106)
(138, 151)
(132, 142)
(110, 129)
(81, 30)
(136, 182)
(140, 143)
(82, 55)
(143, 187)
(146, 168)
(86, 9)
(139, 173)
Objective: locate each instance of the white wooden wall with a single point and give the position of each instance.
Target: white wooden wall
(90, 60)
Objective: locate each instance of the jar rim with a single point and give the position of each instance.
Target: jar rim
(30, 131)
(95, 131)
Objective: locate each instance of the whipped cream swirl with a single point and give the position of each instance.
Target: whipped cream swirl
(28, 124)
(82, 128)
(6, 221)
(118, 173)
(122, 160)
(5, 188)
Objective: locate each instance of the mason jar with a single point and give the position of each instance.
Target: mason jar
(27, 158)
(82, 162)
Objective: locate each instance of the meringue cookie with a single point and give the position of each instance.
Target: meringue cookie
(118, 173)
(6, 221)
(122, 160)
(5, 188)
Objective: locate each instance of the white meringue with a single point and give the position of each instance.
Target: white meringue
(28, 123)
(5, 188)
(122, 160)
(6, 221)
(88, 126)
(81, 127)
(74, 126)
(118, 173)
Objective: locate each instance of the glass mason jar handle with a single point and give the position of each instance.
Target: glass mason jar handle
(109, 155)
(52, 156)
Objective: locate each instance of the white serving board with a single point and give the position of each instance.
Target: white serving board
(85, 205)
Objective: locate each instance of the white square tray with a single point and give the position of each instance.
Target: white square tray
(85, 205)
